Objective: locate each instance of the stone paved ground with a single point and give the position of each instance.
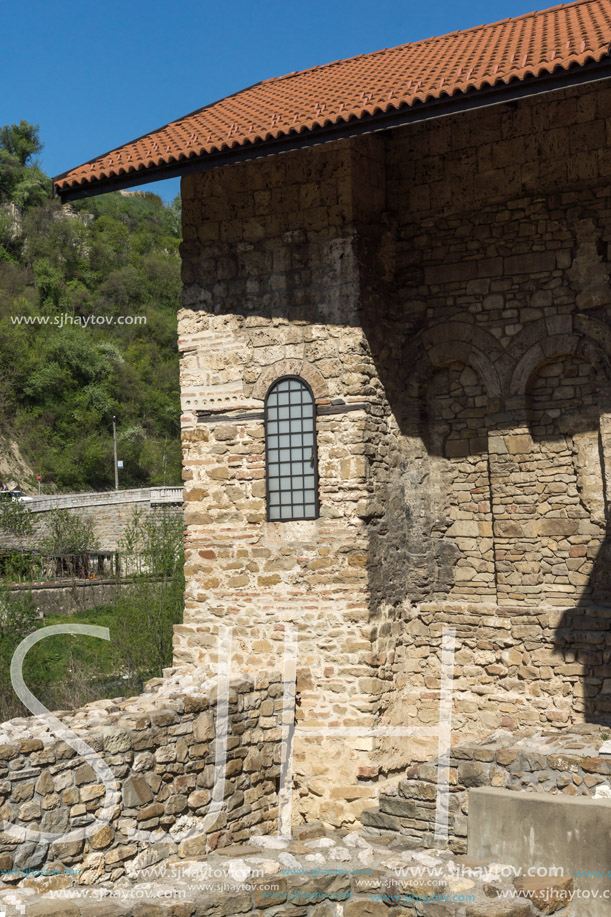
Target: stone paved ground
(316, 874)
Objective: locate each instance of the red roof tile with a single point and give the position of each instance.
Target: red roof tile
(535, 44)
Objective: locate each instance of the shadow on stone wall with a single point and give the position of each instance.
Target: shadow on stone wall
(535, 413)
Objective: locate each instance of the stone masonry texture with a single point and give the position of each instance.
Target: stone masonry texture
(160, 748)
(444, 290)
(111, 513)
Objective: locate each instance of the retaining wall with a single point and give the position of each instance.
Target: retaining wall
(111, 511)
(70, 597)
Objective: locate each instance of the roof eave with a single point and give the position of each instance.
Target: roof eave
(435, 108)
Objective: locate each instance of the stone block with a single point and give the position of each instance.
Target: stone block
(203, 727)
(548, 894)
(136, 792)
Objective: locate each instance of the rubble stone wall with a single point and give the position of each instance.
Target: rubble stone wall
(271, 274)
(500, 342)
(570, 764)
(161, 749)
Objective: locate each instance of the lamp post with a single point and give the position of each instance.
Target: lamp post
(114, 440)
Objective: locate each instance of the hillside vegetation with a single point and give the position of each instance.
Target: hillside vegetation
(80, 275)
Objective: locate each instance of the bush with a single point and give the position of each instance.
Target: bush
(15, 518)
(18, 618)
(66, 672)
(69, 534)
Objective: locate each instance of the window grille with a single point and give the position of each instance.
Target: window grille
(290, 451)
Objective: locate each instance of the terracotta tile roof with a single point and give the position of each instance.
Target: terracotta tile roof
(535, 44)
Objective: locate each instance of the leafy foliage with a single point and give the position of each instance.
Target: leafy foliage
(18, 618)
(15, 518)
(69, 533)
(66, 671)
(153, 544)
(62, 380)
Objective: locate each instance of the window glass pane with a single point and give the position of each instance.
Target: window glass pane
(290, 441)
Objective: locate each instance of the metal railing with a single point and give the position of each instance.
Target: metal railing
(32, 566)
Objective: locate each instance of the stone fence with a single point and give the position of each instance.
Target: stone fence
(111, 511)
(160, 748)
(571, 763)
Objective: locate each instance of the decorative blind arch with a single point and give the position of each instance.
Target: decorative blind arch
(290, 451)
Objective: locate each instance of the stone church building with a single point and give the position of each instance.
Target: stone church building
(396, 384)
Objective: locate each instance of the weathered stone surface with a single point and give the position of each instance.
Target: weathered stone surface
(116, 740)
(136, 792)
(203, 727)
(548, 894)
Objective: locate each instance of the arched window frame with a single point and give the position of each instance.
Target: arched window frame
(313, 459)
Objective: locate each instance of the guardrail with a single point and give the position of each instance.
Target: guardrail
(151, 495)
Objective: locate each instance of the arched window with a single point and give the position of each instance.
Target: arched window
(290, 451)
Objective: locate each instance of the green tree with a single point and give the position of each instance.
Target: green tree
(15, 518)
(21, 140)
(18, 619)
(19, 183)
(107, 258)
(69, 533)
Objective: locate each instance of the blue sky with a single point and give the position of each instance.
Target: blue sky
(95, 75)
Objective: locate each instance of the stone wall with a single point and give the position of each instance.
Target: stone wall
(444, 290)
(79, 595)
(160, 747)
(111, 512)
(571, 765)
(314, 874)
(495, 363)
(272, 287)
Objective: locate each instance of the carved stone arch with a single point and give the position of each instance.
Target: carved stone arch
(455, 341)
(558, 345)
(302, 368)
